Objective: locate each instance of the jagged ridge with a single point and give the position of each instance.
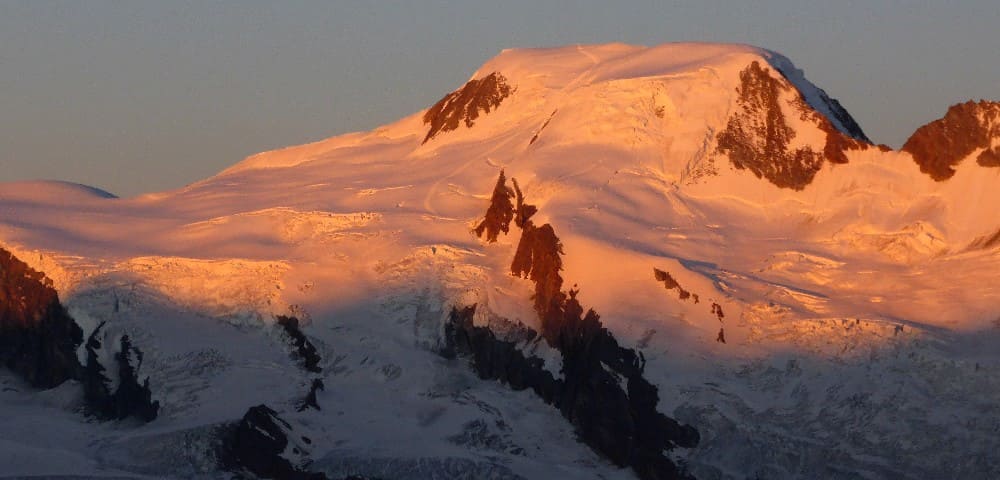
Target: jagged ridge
(939, 146)
(620, 422)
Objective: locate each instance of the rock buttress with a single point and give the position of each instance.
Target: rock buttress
(941, 145)
(478, 96)
(500, 212)
(38, 338)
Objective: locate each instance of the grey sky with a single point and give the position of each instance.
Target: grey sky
(145, 95)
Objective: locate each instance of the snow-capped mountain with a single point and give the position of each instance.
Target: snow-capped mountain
(602, 261)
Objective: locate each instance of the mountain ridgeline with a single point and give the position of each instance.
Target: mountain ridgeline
(667, 262)
(761, 137)
(602, 392)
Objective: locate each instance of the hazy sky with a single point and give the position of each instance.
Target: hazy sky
(145, 95)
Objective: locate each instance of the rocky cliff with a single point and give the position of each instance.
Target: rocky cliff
(941, 145)
(38, 339)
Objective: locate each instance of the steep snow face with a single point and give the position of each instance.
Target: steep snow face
(829, 268)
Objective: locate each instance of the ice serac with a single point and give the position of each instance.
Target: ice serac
(463, 106)
(966, 128)
(38, 338)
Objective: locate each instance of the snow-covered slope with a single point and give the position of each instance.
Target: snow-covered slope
(854, 292)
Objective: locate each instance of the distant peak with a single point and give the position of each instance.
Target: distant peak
(54, 191)
(941, 145)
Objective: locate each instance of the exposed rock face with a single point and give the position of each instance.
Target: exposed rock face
(304, 349)
(940, 145)
(845, 119)
(130, 399)
(465, 105)
(602, 392)
(820, 101)
(758, 137)
(670, 284)
(539, 258)
(38, 339)
(500, 213)
(267, 446)
(717, 311)
(497, 359)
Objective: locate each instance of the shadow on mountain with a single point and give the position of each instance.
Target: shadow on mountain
(602, 392)
(38, 342)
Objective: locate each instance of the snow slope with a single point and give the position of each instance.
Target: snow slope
(860, 312)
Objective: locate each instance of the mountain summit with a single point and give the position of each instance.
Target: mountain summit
(687, 260)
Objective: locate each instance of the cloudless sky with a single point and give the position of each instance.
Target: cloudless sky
(146, 95)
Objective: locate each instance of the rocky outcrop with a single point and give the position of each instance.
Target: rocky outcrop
(840, 113)
(602, 392)
(539, 258)
(500, 212)
(478, 96)
(38, 338)
(758, 137)
(265, 445)
(311, 401)
(304, 349)
(671, 284)
(818, 99)
(942, 144)
(38, 341)
(717, 311)
(497, 359)
(534, 138)
(130, 398)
